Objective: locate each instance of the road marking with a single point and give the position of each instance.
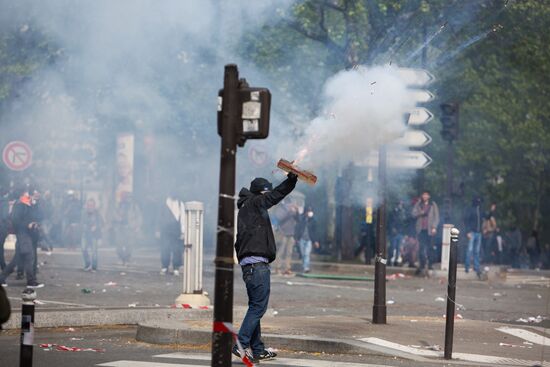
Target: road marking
(477, 358)
(525, 335)
(143, 364)
(277, 361)
(58, 303)
(402, 348)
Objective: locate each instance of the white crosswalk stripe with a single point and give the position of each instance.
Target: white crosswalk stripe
(144, 364)
(191, 360)
(526, 335)
(477, 358)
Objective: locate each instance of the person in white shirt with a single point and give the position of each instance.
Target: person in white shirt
(171, 232)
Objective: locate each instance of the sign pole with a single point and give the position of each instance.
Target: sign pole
(222, 342)
(379, 307)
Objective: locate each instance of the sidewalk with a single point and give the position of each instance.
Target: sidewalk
(417, 339)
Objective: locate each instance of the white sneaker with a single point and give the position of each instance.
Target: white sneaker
(163, 271)
(176, 273)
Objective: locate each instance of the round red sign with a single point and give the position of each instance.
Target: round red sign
(17, 156)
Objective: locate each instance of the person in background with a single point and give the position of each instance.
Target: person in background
(426, 214)
(534, 250)
(92, 223)
(4, 223)
(367, 233)
(306, 235)
(398, 228)
(71, 220)
(171, 231)
(286, 219)
(489, 231)
(514, 245)
(127, 225)
(23, 224)
(256, 249)
(473, 222)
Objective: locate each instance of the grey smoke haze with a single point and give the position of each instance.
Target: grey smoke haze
(363, 108)
(126, 65)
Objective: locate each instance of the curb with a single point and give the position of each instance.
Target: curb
(113, 316)
(165, 333)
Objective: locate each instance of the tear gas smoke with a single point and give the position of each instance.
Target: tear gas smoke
(363, 108)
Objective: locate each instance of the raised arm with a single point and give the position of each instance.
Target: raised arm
(275, 196)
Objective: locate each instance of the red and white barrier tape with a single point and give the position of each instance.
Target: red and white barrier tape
(187, 306)
(227, 327)
(63, 348)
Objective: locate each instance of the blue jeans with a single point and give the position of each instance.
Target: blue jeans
(474, 248)
(257, 279)
(305, 250)
(395, 246)
(89, 244)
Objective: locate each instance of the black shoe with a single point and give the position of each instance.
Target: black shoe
(266, 355)
(237, 353)
(35, 285)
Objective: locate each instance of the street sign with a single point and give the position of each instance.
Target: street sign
(414, 139)
(421, 95)
(413, 159)
(419, 116)
(17, 156)
(415, 77)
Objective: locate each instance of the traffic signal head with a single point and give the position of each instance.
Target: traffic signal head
(253, 109)
(254, 122)
(449, 120)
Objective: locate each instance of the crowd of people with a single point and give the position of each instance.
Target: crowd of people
(414, 232)
(39, 222)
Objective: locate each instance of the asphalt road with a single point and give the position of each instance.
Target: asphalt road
(119, 349)
(140, 284)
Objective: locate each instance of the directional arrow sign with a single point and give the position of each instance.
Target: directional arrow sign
(421, 95)
(414, 139)
(419, 116)
(415, 77)
(402, 159)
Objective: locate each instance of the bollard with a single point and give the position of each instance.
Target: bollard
(451, 293)
(192, 257)
(445, 246)
(27, 327)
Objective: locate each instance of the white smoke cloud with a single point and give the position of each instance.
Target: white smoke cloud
(363, 109)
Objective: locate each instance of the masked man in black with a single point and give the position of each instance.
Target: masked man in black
(256, 249)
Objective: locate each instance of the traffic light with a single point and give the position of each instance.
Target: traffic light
(449, 120)
(253, 108)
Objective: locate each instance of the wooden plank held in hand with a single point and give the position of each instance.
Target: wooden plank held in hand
(303, 175)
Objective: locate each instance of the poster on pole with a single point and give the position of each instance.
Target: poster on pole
(124, 165)
(17, 156)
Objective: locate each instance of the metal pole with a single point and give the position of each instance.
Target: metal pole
(451, 292)
(223, 293)
(27, 327)
(450, 179)
(379, 307)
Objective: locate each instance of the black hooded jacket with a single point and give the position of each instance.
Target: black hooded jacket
(254, 233)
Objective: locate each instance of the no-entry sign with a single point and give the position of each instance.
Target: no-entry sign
(17, 155)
